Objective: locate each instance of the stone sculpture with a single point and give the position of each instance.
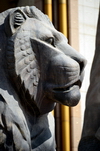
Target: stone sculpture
(37, 68)
(90, 140)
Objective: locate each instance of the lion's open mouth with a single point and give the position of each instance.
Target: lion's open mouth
(67, 88)
(68, 94)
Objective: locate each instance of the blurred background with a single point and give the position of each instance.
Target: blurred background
(77, 19)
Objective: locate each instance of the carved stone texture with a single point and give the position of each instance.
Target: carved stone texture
(37, 68)
(90, 140)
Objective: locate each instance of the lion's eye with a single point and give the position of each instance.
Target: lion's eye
(50, 41)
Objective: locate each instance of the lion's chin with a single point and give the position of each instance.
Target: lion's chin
(68, 97)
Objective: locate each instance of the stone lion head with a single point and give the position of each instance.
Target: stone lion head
(42, 67)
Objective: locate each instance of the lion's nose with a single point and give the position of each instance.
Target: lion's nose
(75, 55)
(82, 65)
(72, 53)
(81, 61)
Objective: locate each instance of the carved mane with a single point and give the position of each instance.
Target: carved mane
(25, 78)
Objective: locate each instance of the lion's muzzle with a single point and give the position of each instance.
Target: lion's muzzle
(64, 80)
(61, 72)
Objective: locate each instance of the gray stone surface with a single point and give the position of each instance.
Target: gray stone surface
(90, 140)
(37, 69)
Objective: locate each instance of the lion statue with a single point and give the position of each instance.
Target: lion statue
(37, 69)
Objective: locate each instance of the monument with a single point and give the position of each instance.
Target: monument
(37, 69)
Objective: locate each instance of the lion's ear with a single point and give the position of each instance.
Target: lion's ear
(14, 21)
